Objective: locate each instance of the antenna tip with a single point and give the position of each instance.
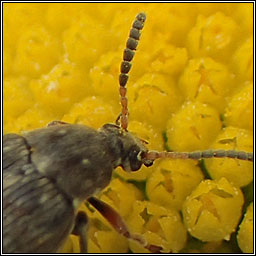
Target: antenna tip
(141, 16)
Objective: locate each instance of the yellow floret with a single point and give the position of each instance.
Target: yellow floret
(92, 111)
(159, 226)
(37, 52)
(213, 210)
(208, 9)
(245, 233)
(193, 127)
(213, 36)
(56, 19)
(207, 81)
(238, 172)
(19, 18)
(17, 97)
(7, 61)
(121, 196)
(63, 86)
(151, 95)
(239, 111)
(244, 17)
(243, 60)
(107, 242)
(104, 76)
(169, 60)
(174, 29)
(86, 40)
(35, 117)
(172, 181)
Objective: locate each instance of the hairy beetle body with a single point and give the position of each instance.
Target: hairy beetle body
(48, 172)
(68, 154)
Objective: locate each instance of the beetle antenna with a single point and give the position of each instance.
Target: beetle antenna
(241, 155)
(126, 65)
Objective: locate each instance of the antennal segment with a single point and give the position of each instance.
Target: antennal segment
(241, 155)
(126, 65)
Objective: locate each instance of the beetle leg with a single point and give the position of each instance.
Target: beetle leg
(80, 229)
(118, 224)
(117, 122)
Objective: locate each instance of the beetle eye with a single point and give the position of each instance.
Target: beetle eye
(135, 162)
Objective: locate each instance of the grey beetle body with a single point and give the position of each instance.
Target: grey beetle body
(48, 172)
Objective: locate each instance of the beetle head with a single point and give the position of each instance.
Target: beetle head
(131, 150)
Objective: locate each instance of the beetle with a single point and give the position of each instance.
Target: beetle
(49, 172)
